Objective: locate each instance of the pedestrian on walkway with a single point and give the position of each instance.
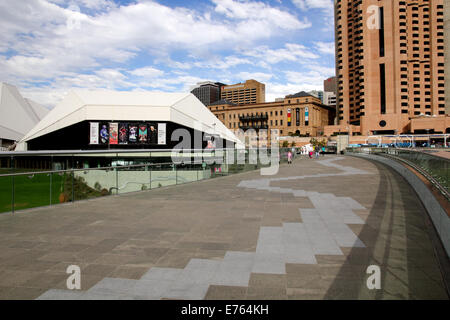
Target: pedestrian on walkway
(323, 151)
(289, 156)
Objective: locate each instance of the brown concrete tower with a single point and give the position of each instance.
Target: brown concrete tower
(390, 63)
(447, 54)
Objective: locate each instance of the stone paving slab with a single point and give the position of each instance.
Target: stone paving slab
(310, 232)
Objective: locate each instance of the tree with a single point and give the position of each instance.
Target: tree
(285, 144)
(293, 144)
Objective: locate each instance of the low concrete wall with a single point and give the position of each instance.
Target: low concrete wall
(437, 214)
(132, 181)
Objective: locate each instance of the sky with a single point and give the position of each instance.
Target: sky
(48, 47)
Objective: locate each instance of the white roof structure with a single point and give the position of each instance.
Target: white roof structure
(81, 105)
(17, 115)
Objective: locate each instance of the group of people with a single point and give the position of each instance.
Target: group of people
(311, 152)
(316, 152)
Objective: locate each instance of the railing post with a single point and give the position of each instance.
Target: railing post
(13, 187)
(73, 184)
(51, 176)
(117, 180)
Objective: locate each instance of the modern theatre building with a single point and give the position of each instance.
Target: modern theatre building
(102, 120)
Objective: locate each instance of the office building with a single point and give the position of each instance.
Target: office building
(330, 85)
(250, 92)
(207, 92)
(318, 94)
(329, 99)
(390, 65)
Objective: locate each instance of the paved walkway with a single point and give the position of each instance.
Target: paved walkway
(309, 232)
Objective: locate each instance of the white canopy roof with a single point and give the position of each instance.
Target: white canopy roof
(80, 105)
(17, 115)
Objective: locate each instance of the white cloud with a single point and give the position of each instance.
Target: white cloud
(50, 46)
(326, 6)
(259, 11)
(291, 52)
(148, 72)
(311, 79)
(325, 47)
(313, 4)
(258, 76)
(46, 44)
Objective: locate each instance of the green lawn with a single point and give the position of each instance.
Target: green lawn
(29, 191)
(32, 191)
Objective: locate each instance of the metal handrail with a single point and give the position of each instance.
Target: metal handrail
(98, 168)
(394, 154)
(443, 190)
(75, 152)
(84, 169)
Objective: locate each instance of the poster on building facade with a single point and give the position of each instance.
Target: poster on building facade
(133, 133)
(123, 133)
(306, 114)
(113, 133)
(161, 133)
(104, 133)
(210, 141)
(289, 115)
(297, 117)
(143, 133)
(93, 133)
(152, 133)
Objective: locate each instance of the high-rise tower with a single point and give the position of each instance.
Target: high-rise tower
(389, 63)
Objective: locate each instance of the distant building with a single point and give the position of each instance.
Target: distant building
(207, 92)
(329, 99)
(318, 94)
(18, 115)
(330, 85)
(298, 114)
(250, 92)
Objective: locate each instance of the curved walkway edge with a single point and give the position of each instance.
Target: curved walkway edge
(436, 212)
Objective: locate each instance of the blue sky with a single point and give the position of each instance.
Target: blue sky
(48, 47)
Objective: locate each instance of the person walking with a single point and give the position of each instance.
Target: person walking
(289, 156)
(323, 151)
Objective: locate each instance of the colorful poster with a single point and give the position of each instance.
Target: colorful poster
(297, 117)
(143, 133)
(152, 133)
(123, 133)
(210, 141)
(133, 133)
(161, 133)
(104, 134)
(289, 115)
(306, 114)
(94, 133)
(113, 133)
